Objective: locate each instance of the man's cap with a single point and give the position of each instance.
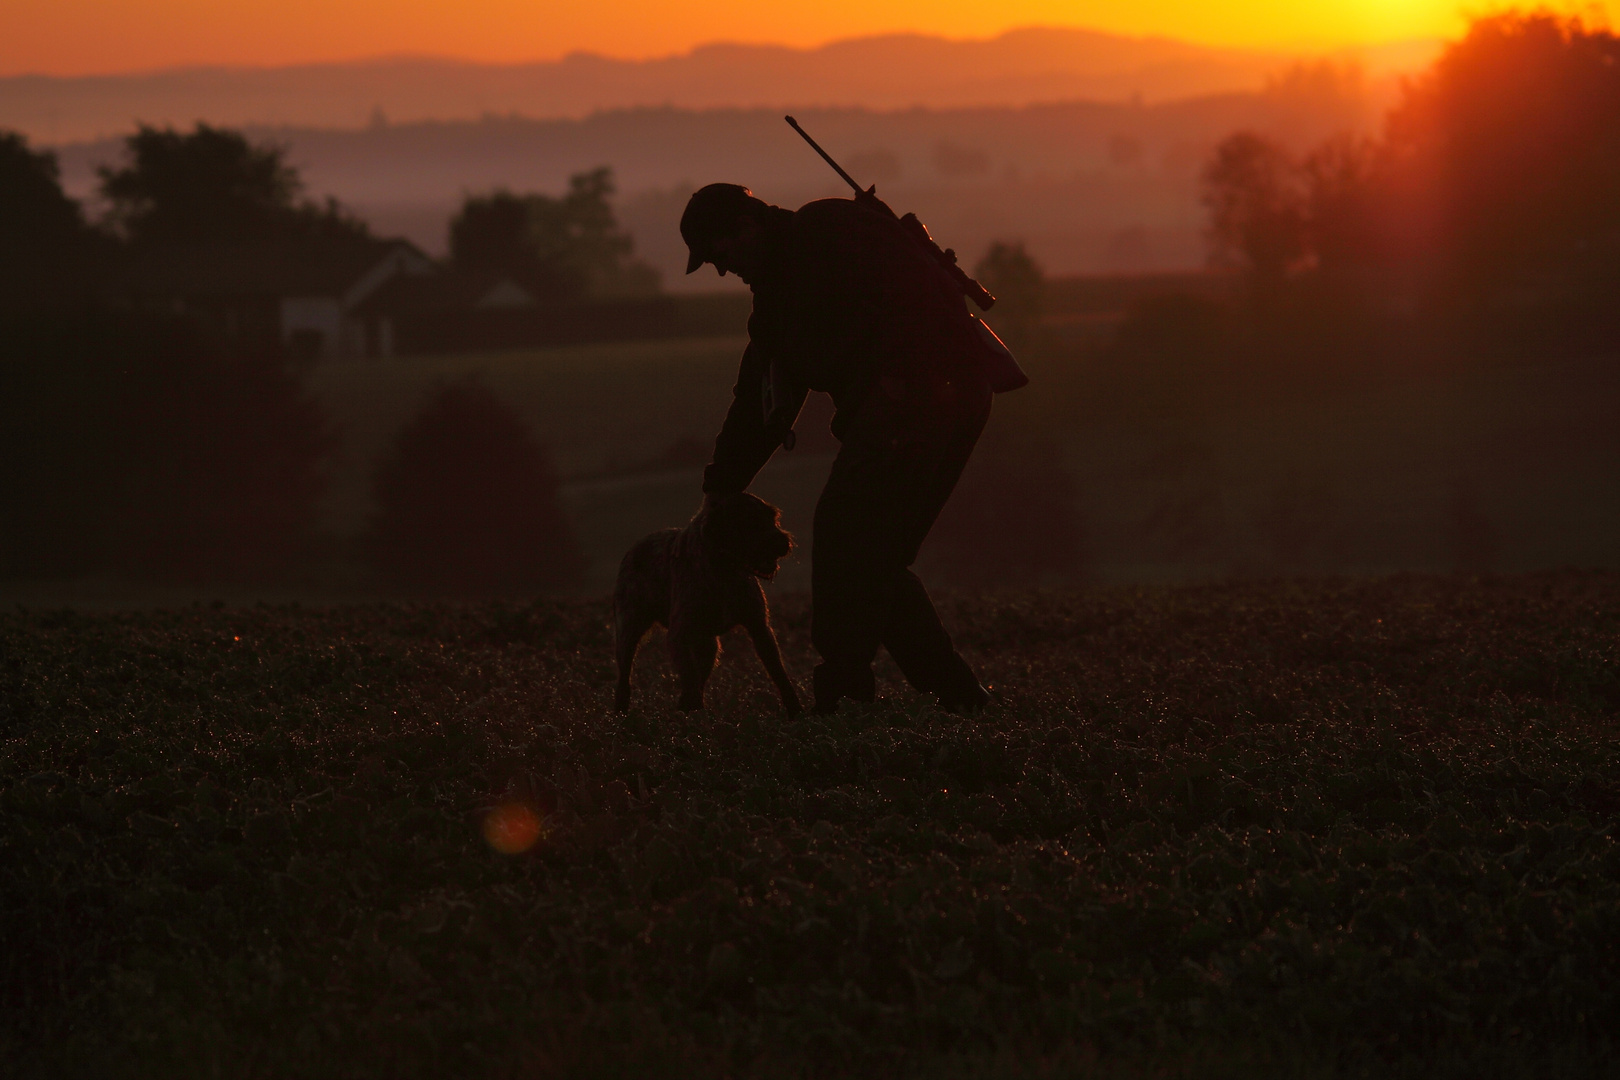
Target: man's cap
(712, 212)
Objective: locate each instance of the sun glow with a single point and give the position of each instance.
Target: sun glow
(89, 36)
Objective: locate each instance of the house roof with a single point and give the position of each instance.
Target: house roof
(410, 293)
(303, 267)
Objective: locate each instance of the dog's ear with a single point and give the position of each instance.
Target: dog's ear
(770, 517)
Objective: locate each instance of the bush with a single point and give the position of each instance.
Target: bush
(127, 448)
(467, 503)
(1014, 519)
(1018, 283)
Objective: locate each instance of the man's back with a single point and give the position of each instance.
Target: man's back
(849, 296)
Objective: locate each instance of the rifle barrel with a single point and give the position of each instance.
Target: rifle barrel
(946, 259)
(824, 155)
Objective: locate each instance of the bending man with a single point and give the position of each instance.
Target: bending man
(847, 303)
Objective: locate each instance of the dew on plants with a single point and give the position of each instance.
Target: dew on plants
(1313, 828)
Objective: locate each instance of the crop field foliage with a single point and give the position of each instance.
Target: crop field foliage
(1321, 828)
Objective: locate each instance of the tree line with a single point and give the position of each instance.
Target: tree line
(135, 447)
(1479, 227)
(214, 186)
(1485, 216)
(132, 445)
(1488, 206)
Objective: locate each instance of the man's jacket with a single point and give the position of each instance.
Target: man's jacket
(845, 297)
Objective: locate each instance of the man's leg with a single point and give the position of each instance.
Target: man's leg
(922, 649)
(898, 465)
(848, 594)
(913, 632)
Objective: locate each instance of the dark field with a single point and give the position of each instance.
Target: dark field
(1341, 828)
(1180, 469)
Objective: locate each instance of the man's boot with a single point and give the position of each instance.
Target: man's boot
(965, 701)
(959, 690)
(832, 683)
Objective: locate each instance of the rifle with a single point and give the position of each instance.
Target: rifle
(946, 257)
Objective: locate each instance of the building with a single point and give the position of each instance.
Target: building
(307, 295)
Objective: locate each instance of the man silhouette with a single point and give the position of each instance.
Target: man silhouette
(846, 302)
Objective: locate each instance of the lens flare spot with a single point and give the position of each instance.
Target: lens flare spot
(512, 828)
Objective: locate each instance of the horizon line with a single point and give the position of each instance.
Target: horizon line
(1298, 49)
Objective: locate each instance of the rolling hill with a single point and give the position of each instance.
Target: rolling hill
(1020, 67)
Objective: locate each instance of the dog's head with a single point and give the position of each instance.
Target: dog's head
(744, 532)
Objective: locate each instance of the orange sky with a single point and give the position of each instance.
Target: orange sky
(93, 36)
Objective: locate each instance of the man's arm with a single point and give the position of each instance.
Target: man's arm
(744, 445)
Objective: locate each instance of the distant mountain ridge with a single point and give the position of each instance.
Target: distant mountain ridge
(1020, 67)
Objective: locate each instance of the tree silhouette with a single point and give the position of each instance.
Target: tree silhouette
(1256, 211)
(1493, 195)
(491, 235)
(1017, 282)
(129, 447)
(45, 246)
(1508, 150)
(225, 469)
(34, 213)
(467, 503)
(1338, 224)
(562, 247)
(213, 185)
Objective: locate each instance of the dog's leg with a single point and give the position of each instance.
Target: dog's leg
(759, 628)
(628, 630)
(693, 653)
